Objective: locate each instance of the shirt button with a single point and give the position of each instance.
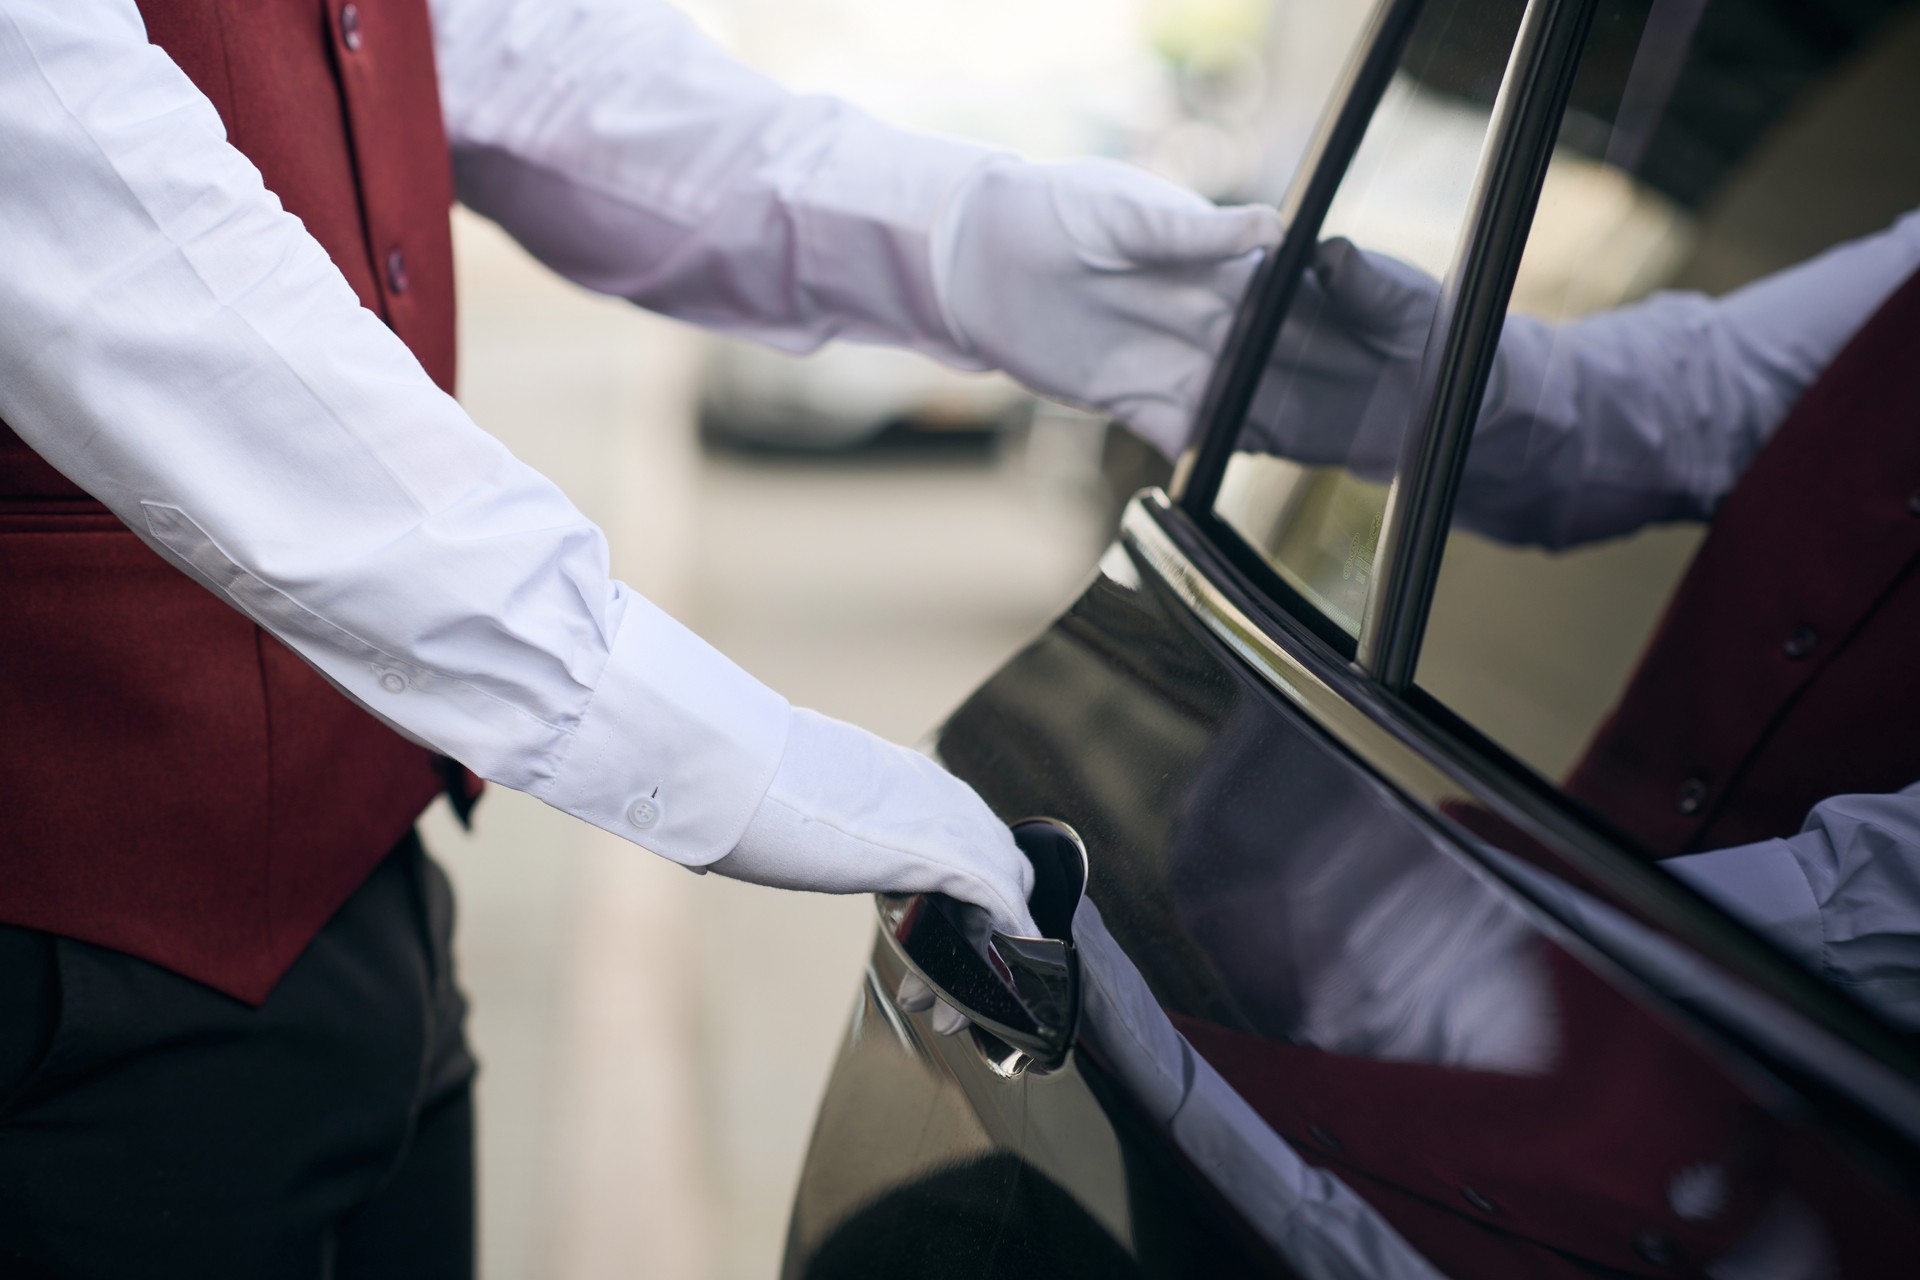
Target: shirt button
(393, 682)
(1479, 1200)
(350, 27)
(1800, 643)
(644, 813)
(1693, 794)
(396, 271)
(1699, 1193)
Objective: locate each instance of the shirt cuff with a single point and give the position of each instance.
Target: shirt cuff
(678, 746)
(870, 212)
(1766, 887)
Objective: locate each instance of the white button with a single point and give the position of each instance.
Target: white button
(1700, 1192)
(644, 813)
(393, 682)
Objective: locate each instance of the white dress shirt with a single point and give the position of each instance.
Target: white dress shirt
(1590, 428)
(157, 306)
(1651, 412)
(1596, 427)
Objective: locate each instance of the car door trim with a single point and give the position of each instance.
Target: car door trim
(1256, 324)
(1837, 1057)
(1473, 300)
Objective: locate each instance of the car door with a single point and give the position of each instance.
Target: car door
(1358, 985)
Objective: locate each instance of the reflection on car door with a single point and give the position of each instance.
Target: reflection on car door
(1357, 1000)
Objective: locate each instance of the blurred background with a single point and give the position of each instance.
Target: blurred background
(866, 532)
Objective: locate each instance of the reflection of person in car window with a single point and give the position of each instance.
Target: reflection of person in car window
(1507, 1111)
(1781, 679)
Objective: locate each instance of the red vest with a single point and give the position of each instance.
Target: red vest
(1554, 1176)
(1787, 667)
(179, 785)
(1571, 1173)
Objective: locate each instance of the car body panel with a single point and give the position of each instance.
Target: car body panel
(1243, 865)
(1358, 997)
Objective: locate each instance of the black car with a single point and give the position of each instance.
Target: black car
(1348, 971)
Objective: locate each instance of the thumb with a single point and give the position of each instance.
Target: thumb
(1122, 217)
(1193, 234)
(1371, 292)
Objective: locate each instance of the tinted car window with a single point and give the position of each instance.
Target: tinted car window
(1680, 579)
(1314, 514)
(1690, 163)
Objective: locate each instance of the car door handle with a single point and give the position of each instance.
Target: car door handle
(1024, 991)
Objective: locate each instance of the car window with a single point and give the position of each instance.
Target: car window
(1671, 307)
(1305, 487)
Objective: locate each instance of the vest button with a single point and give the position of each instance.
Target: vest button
(1326, 1140)
(1656, 1248)
(1800, 643)
(1479, 1200)
(396, 271)
(350, 27)
(1693, 794)
(1913, 503)
(1699, 1192)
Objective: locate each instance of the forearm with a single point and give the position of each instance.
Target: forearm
(637, 158)
(1651, 412)
(181, 348)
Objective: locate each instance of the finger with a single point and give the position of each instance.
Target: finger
(1379, 296)
(914, 995)
(994, 910)
(1169, 235)
(948, 1020)
(1121, 217)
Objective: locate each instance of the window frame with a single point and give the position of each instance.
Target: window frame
(1236, 374)
(1865, 1077)
(1521, 131)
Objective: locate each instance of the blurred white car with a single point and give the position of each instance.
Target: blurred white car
(844, 395)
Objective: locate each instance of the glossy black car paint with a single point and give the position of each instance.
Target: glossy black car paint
(1221, 760)
(928, 1158)
(1204, 795)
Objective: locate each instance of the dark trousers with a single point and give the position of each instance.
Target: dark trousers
(151, 1127)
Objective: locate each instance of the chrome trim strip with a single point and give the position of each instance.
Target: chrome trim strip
(1323, 704)
(1773, 1009)
(1419, 514)
(1262, 308)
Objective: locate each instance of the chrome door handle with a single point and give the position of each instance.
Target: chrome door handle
(1024, 991)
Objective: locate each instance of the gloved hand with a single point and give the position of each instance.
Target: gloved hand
(1345, 369)
(850, 813)
(1097, 283)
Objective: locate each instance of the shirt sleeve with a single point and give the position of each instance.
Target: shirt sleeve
(635, 157)
(1650, 412)
(1842, 897)
(180, 347)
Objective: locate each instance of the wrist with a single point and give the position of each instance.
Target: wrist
(678, 746)
(877, 221)
(945, 243)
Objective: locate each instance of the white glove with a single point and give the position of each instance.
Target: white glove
(851, 813)
(1097, 283)
(1344, 372)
